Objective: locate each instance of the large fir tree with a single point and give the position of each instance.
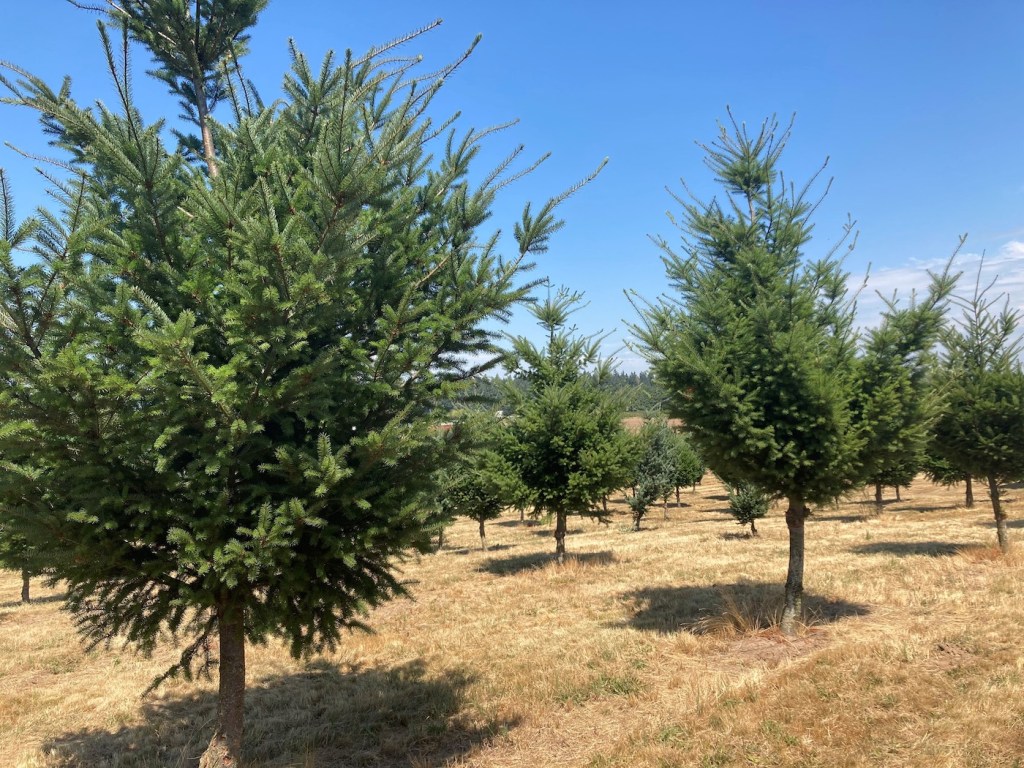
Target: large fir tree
(229, 363)
(758, 349)
(980, 430)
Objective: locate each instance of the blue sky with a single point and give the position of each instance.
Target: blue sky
(919, 107)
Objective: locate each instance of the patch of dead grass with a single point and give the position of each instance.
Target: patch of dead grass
(657, 648)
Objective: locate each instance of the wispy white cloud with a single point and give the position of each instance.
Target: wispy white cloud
(1004, 271)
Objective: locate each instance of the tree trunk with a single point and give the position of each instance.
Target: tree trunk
(440, 538)
(664, 507)
(753, 529)
(522, 514)
(898, 494)
(604, 503)
(225, 749)
(202, 111)
(637, 517)
(678, 502)
(878, 494)
(969, 495)
(483, 536)
(25, 596)
(997, 508)
(560, 536)
(796, 514)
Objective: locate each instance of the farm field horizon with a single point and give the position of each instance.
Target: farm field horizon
(657, 648)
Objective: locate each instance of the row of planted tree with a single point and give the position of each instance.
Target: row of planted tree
(558, 447)
(225, 353)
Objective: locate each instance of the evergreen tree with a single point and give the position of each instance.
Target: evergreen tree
(229, 367)
(748, 503)
(940, 470)
(689, 467)
(980, 431)
(568, 444)
(896, 401)
(481, 483)
(758, 352)
(655, 470)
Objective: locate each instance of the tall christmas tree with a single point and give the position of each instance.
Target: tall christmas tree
(232, 362)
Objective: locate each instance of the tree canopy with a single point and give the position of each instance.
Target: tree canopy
(567, 441)
(229, 365)
(757, 346)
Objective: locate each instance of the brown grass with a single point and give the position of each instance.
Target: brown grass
(649, 649)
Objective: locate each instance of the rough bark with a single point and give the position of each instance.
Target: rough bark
(997, 508)
(560, 536)
(25, 596)
(225, 749)
(969, 495)
(796, 514)
(483, 536)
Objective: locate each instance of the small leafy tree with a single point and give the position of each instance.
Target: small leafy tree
(655, 472)
(230, 364)
(748, 503)
(980, 431)
(567, 440)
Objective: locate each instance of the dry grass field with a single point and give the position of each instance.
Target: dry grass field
(647, 649)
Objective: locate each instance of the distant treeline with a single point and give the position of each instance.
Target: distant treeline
(639, 392)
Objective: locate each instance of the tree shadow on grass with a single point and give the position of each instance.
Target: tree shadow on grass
(516, 523)
(359, 717)
(742, 606)
(841, 518)
(509, 566)
(908, 548)
(35, 601)
(477, 550)
(550, 531)
(928, 508)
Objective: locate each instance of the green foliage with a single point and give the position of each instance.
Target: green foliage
(568, 444)
(896, 402)
(757, 351)
(689, 466)
(197, 47)
(748, 503)
(980, 431)
(227, 383)
(481, 483)
(655, 472)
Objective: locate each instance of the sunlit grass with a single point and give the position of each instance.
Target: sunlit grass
(657, 648)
